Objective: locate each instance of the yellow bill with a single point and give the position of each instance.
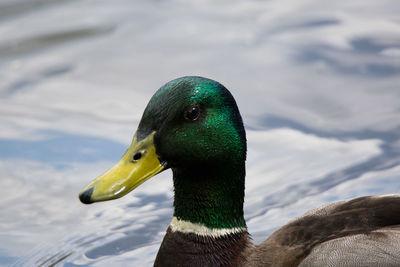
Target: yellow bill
(139, 163)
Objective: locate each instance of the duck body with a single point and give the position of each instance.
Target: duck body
(360, 232)
(192, 125)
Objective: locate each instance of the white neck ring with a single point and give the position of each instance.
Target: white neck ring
(183, 226)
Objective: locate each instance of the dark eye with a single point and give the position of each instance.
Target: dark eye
(192, 113)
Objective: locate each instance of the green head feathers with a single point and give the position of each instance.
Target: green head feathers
(193, 126)
(200, 134)
(196, 121)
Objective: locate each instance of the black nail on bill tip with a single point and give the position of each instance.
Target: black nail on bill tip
(86, 195)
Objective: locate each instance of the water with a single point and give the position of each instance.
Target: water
(317, 83)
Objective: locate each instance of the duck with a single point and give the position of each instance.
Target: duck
(192, 125)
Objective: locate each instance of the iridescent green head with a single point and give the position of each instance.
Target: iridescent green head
(195, 128)
(197, 123)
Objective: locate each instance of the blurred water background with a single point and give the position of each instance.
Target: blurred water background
(317, 83)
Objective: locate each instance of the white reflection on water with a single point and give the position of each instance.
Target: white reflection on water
(317, 84)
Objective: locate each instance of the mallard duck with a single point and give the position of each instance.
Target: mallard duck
(192, 125)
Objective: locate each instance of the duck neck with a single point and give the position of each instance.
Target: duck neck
(211, 196)
(208, 228)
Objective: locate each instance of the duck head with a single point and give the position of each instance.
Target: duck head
(193, 126)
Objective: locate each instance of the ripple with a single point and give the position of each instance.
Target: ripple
(47, 41)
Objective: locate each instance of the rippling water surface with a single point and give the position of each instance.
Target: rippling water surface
(317, 82)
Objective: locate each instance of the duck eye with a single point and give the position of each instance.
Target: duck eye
(192, 113)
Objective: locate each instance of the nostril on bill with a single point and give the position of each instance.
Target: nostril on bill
(137, 156)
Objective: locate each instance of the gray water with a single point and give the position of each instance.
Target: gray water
(317, 83)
